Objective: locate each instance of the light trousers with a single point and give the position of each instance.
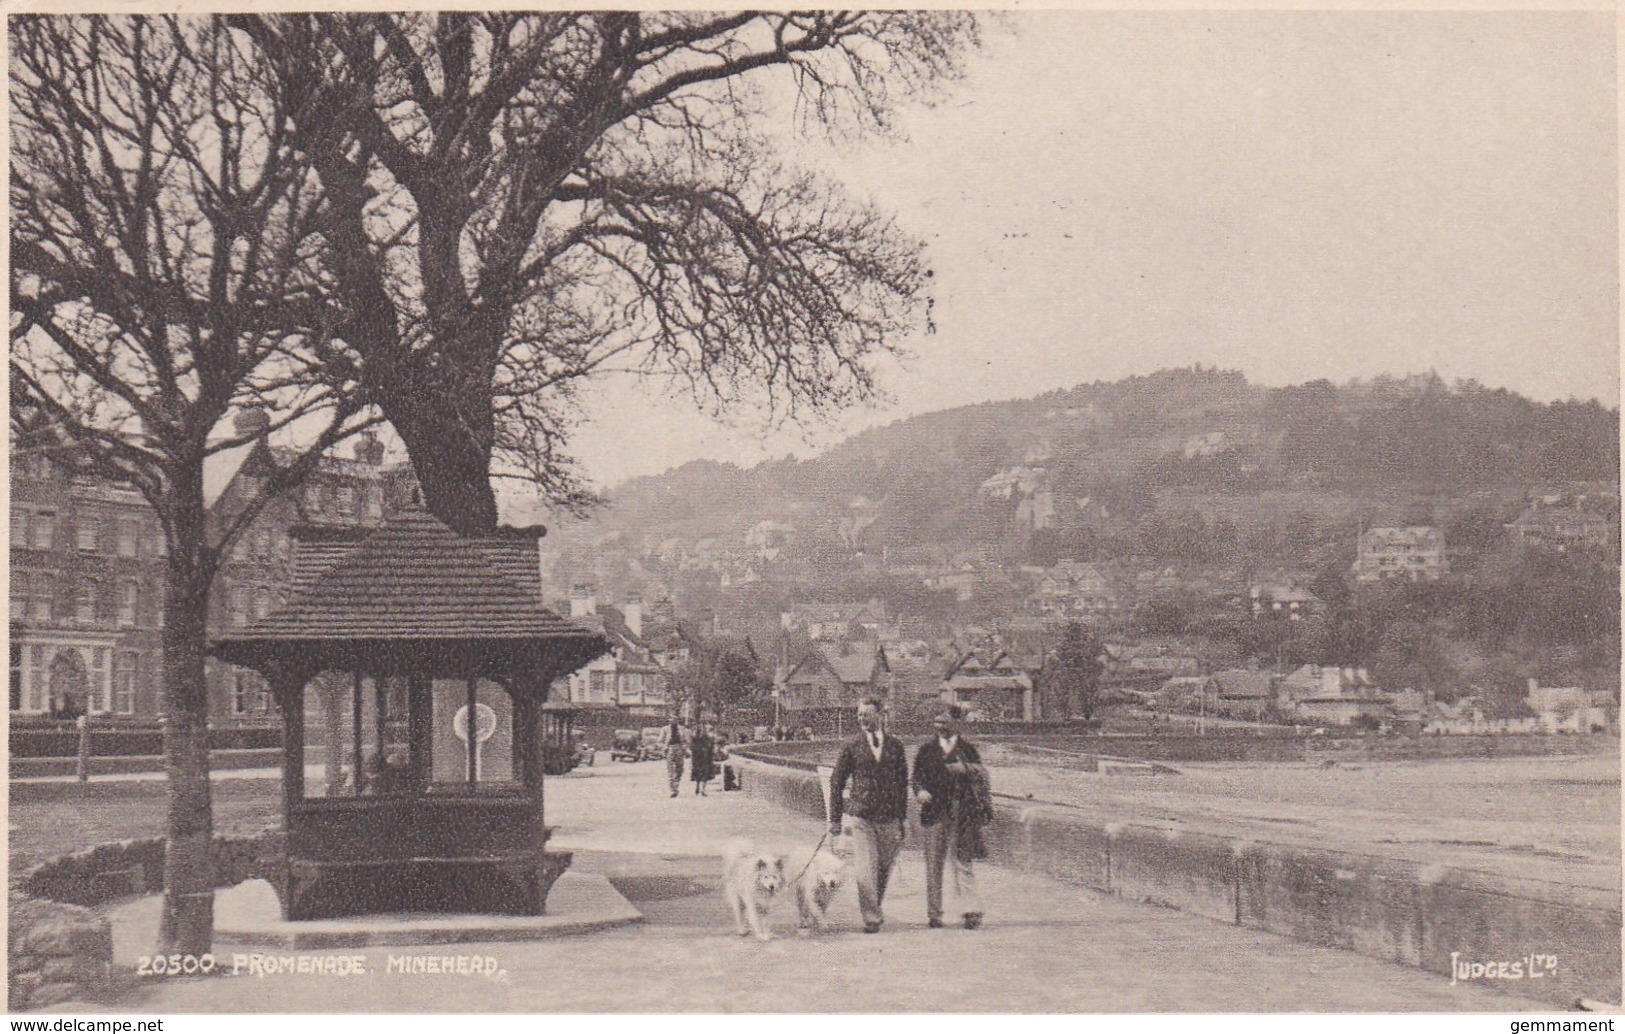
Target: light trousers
(874, 851)
(940, 854)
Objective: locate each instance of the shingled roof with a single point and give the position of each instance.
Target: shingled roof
(413, 579)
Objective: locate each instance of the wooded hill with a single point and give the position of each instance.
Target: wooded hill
(1078, 469)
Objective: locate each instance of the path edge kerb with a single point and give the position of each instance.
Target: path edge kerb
(1429, 917)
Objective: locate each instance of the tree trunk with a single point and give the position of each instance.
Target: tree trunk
(187, 926)
(449, 433)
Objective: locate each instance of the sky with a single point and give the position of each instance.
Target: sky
(1296, 195)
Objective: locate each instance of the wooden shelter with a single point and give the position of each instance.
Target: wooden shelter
(430, 657)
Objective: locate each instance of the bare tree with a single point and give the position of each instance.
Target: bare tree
(165, 273)
(516, 202)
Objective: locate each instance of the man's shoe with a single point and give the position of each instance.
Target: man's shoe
(973, 920)
(871, 927)
(935, 924)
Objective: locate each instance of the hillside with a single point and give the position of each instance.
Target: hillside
(1071, 470)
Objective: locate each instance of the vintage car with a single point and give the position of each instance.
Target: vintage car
(653, 741)
(627, 746)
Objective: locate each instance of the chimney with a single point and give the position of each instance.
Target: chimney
(582, 603)
(369, 450)
(251, 421)
(634, 615)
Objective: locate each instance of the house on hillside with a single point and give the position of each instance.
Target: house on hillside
(1282, 601)
(1413, 553)
(833, 622)
(996, 688)
(669, 641)
(766, 540)
(1566, 525)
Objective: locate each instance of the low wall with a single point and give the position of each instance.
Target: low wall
(1559, 942)
(58, 949)
(57, 953)
(1263, 745)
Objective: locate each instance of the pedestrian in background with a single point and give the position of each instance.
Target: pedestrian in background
(702, 767)
(672, 740)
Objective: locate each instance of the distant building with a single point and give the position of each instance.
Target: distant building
(996, 688)
(1241, 692)
(1570, 708)
(87, 569)
(1140, 662)
(87, 563)
(629, 677)
(832, 622)
(358, 492)
(767, 539)
(831, 676)
(1282, 601)
(1336, 696)
(1015, 483)
(1566, 526)
(1414, 553)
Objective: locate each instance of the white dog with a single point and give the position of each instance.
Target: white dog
(750, 879)
(820, 877)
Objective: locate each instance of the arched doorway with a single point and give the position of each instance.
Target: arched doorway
(69, 683)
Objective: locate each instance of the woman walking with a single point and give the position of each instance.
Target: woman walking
(702, 766)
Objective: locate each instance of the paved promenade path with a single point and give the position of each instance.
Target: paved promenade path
(1046, 946)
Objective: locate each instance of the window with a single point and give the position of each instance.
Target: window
(262, 602)
(127, 536)
(129, 593)
(19, 528)
(346, 500)
(85, 533)
(84, 602)
(238, 595)
(125, 665)
(34, 683)
(248, 693)
(99, 686)
(262, 542)
(44, 526)
(16, 676)
(38, 589)
(375, 503)
(599, 691)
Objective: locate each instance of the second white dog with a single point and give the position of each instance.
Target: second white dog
(820, 877)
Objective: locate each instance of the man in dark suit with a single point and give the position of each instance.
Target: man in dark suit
(946, 770)
(876, 767)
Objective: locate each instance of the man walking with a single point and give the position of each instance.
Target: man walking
(876, 766)
(951, 786)
(676, 754)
